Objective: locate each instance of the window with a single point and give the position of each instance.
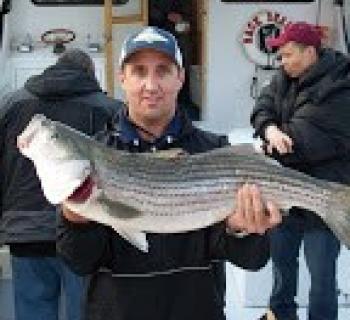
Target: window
(75, 2)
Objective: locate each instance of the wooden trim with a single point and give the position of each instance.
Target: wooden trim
(109, 67)
(144, 12)
(132, 18)
(110, 20)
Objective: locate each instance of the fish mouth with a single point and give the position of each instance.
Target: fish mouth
(26, 137)
(24, 141)
(84, 191)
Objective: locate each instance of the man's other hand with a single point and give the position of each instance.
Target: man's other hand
(251, 213)
(72, 216)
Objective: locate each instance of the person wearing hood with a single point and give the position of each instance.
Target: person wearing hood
(67, 92)
(303, 118)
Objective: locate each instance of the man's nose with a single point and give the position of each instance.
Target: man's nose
(151, 82)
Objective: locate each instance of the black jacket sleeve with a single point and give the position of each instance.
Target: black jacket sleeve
(5, 105)
(320, 132)
(250, 252)
(265, 111)
(2, 134)
(82, 246)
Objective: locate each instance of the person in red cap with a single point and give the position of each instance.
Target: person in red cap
(303, 117)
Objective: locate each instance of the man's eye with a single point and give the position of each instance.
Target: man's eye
(139, 71)
(163, 70)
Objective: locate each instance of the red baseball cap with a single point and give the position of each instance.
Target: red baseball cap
(299, 32)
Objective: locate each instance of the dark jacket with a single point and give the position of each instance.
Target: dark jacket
(64, 93)
(159, 10)
(182, 275)
(314, 111)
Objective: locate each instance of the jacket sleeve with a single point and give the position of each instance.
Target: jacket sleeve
(250, 252)
(4, 107)
(265, 111)
(2, 167)
(82, 246)
(320, 132)
(5, 104)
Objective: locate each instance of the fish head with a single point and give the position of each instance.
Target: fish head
(58, 156)
(46, 138)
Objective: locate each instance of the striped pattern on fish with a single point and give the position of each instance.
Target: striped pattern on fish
(137, 193)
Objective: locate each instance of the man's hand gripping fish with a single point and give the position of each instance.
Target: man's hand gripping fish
(138, 193)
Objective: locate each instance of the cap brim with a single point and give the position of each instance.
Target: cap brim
(275, 42)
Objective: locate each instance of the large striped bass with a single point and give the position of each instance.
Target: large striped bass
(138, 193)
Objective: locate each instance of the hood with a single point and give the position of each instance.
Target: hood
(62, 81)
(331, 73)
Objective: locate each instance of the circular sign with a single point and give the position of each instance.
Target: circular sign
(263, 25)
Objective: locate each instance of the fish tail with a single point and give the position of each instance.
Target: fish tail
(337, 215)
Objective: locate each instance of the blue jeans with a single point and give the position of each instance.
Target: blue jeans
(41, 284)
(321, 250)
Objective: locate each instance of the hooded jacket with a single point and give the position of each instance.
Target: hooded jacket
(314, 111)
(64, 93)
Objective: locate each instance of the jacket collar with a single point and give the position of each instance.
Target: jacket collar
(128, 131)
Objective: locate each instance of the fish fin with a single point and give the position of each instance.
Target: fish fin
(120, 210)
(170, 154)
(245, 149)
(253, 150)
(337, 214)
(135, 237)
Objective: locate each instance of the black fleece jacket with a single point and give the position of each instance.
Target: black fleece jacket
(181, 277)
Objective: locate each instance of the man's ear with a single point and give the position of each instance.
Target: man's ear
(182, 76)
(121, 76)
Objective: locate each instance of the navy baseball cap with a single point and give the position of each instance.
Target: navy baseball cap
(151, 38)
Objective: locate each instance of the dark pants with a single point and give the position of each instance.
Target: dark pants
(39, 285)
(321, 250)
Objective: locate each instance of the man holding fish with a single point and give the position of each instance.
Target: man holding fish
(181, 276)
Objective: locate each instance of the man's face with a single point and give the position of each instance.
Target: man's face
(151, 82)
(295, 60)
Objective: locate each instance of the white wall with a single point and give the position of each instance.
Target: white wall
(4, 55)
(229, 72)
(28, 17)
